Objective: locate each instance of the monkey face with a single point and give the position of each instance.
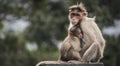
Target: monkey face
(76, 13)
(76, 31)
(75, 17)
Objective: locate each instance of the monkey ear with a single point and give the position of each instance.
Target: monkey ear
(84, 13)
(94, 18)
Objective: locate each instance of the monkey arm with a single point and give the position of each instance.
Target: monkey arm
(99, 37)
(65, 46)
(89, 33)
(89, 40)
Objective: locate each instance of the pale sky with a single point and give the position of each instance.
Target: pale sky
(113, 31)
(12, 23)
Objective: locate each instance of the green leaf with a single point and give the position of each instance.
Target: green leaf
(1, 25)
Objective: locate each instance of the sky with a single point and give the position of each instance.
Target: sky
(18, 25)
(113, 31)
(11, 23)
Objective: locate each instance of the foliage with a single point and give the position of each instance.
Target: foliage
(1, 25)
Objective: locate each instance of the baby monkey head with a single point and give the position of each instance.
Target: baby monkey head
(76, 31)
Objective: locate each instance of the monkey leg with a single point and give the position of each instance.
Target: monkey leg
(71, 55)
(92, 53)
(77, 55)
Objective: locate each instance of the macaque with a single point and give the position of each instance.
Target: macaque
(93, 48)
(71, 46)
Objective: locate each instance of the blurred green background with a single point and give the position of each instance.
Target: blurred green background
(32, 30)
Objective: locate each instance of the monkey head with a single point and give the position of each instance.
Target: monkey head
(76, 13)
(76, 31)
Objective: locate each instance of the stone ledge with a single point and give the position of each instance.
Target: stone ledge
(56, 63)
(71, 65)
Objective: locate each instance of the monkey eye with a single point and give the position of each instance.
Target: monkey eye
(75, 14)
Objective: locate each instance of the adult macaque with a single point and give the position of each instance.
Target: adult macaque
(94, 42)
